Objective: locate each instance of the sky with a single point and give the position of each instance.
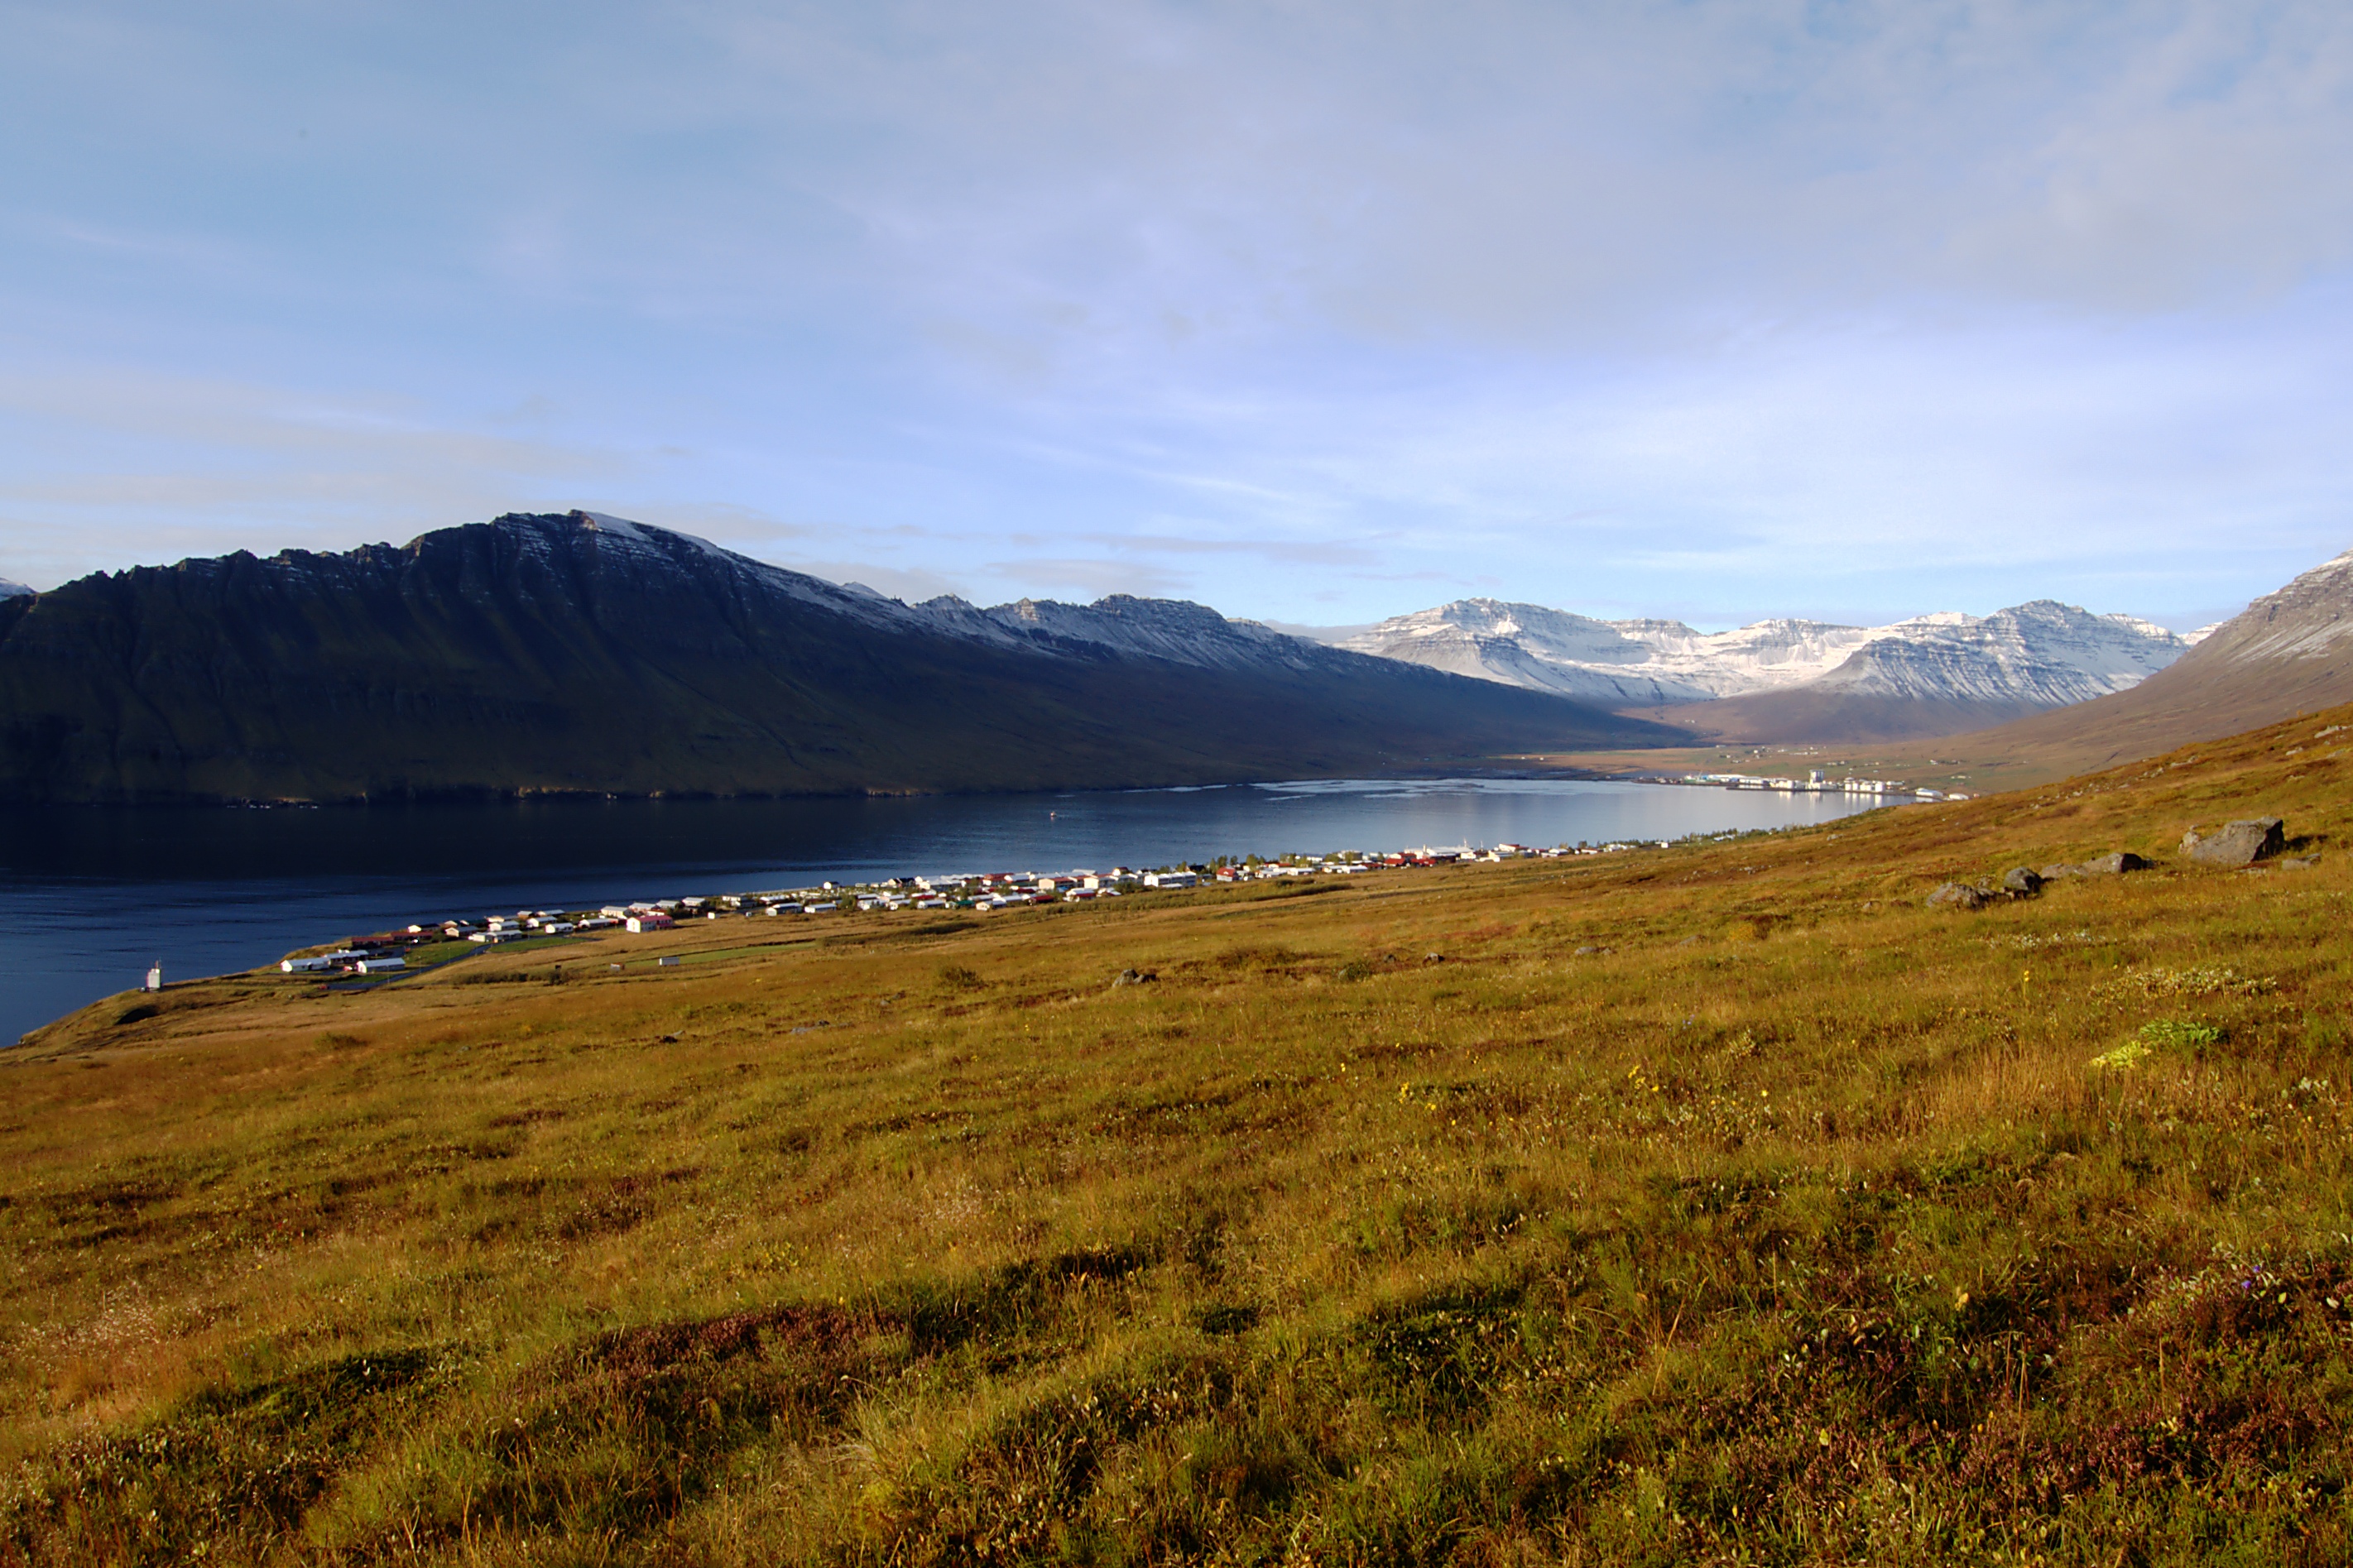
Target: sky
(1318, 312)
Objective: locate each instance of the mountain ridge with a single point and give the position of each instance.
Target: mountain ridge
(1790, 679)
(2289, 652)
(580, 653)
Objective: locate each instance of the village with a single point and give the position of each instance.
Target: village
(424, 945)
(414, 948)
(1816, 781)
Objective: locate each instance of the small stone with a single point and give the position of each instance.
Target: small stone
(2053, 873)
(1958, 896)
(2115, 863)
(2236, 842)
(1433, 958)
(2300, 862)
(1132, 977)
(2022, 881)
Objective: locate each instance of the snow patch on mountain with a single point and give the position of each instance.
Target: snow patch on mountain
(2042, 654)
(13, 590)
(1645, 662)
(2303, 620)
(1173, 630)
(1176, 630)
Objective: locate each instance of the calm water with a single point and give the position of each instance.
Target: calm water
(96, 895)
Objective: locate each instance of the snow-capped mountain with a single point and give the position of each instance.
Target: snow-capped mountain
(585, 654)
(9, 590)
(2303, 621)
(1640, 662)
(2289, 652)
(1174, 630)
(2043, 655)
(2038, 654)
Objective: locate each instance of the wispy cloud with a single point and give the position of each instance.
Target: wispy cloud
(1759, 309)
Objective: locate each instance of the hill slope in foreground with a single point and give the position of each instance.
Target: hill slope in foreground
(1720, 1202)
(586, 654)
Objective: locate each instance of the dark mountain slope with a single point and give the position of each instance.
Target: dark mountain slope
(576, 653)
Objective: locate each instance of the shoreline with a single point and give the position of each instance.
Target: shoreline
(871, 885)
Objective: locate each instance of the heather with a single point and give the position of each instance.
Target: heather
(1722, 1204)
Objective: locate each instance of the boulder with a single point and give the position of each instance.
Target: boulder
(2115, 863)
(2022, 881)
(2053, 873)
(1959, 896)
(2236, 842)
(1134, 977)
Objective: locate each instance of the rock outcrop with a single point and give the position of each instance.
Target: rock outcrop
(2237, 843)
(2115, 863)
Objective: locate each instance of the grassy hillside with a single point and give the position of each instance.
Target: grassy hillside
(1720, 1204)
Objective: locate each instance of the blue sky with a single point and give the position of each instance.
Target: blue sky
(1317, 312)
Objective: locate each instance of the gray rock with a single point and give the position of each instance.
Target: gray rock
(2053, 873)
(2236, 842)
(2300, 862)
(1959, 896)
(1134, 977)
(2022, 881)
(2115, 863)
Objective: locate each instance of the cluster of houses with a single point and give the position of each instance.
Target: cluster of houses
(1815, 780)
(386, 952)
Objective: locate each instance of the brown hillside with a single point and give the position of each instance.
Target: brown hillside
(2288, 653)
(1812, 715)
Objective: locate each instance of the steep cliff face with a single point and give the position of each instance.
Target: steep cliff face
(585, 653)
(2039, 655)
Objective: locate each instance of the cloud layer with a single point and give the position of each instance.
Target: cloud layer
(1317, 312)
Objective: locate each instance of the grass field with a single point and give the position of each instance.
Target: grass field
(1714, 1205)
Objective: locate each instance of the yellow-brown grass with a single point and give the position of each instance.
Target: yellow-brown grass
(1794, 1222)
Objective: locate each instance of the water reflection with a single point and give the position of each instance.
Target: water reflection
(100, 894)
